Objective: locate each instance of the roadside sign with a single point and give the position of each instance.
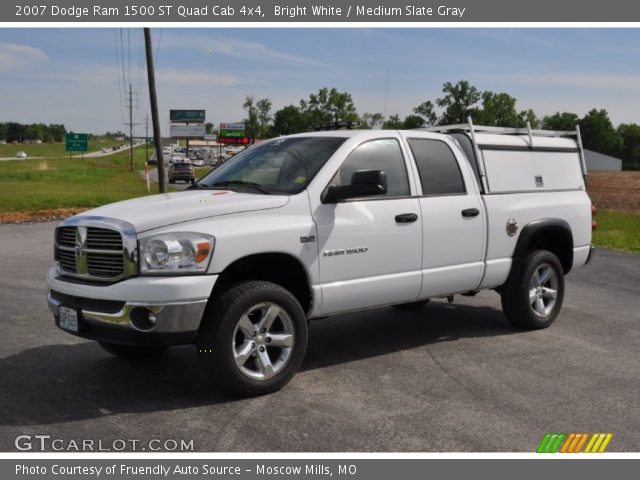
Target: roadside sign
(76, 142)
(186, 116)
(186, 131)
(234, 140)
(210, 137)
(232, 130)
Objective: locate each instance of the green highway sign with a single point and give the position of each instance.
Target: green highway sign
(186, 116)
(76, 142)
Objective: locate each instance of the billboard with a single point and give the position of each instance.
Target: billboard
(186, 116)
(187, 131)
(232, 130)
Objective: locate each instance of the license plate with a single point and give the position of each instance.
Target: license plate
(68, 318)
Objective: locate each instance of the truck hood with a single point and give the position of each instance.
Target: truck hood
(155, 211)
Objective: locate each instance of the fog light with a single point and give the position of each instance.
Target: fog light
(143, 319)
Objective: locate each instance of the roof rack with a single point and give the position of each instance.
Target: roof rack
(473, 129)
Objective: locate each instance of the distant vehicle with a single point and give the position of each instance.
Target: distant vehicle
(153, 160)
(21, 154)
(105, 150)
(181, 171)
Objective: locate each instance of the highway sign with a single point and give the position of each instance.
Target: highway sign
(186, 116)
(76, 142)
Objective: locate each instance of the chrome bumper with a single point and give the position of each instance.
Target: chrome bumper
(176, 323)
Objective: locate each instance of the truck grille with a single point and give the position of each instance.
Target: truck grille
(91, 252)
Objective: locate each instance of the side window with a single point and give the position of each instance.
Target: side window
(438, 168)
(384, 154)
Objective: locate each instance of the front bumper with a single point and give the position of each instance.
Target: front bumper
(111, 313)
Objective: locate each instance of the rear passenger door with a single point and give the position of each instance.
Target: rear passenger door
(453, 240)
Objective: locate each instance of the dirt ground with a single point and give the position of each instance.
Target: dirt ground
(619, 191)
(39, 216)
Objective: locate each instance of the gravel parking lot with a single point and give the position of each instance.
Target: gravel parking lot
(449, 378)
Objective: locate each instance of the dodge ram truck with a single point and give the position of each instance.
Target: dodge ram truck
(321, 223)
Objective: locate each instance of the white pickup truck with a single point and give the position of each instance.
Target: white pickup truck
(321, 223)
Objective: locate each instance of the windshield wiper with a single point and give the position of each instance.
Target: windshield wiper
(255, 186)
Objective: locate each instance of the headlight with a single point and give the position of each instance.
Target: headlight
(179, 253)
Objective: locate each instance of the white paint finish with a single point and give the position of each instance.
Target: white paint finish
(516, 171)
(580, 255)
(369, 292)
(496, 272)
(141, 289)
(156, 211)
(520, 141)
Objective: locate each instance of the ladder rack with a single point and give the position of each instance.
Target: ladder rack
(473, 129)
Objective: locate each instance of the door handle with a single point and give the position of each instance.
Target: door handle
(470, 212)
(406, 218)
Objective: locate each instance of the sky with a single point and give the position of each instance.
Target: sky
(79, 77)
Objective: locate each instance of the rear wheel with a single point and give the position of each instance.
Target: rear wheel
(253, 339)
(533, 297)
(132, 351)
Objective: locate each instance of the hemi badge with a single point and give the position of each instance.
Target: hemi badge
(308, 239)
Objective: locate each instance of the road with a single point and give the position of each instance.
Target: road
(449, 378)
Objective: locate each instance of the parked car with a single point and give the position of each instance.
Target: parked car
(21, 154)
(318, 224)
(181, 171)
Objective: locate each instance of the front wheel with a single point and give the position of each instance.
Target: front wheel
(253, 338)
(533, 297)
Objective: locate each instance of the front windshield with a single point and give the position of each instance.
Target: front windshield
(280, 166)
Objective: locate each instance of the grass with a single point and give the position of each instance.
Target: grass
(31, 185)
(618, 230)
(52, 149)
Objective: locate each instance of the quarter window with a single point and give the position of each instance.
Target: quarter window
(438, 167)
(384, 154)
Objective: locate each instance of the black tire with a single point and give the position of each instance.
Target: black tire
(411, 306)
(222, 338)
(132, 352)
(529, 303)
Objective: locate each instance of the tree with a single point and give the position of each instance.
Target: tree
(371, 120)
(328, 106)
(289, 120)
(208, 128)
(413, 121)
(528, 116)
(630, 134)
(264, 115)
(599, 135)
(458, 102)
(251, 121)
(498, 110)
(426, 111)
(560, 121)
(394, 123)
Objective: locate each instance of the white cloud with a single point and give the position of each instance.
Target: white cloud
(191, 78)
(14, 57)
(605, 81)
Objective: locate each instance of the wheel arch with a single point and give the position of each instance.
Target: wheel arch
(552, 234)
(280, 268)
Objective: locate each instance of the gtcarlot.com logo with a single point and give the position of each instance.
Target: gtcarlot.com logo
(574, 443)
(47, 443)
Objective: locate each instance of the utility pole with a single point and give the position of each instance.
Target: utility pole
(146, 138)
(130, 124)
(157, 136)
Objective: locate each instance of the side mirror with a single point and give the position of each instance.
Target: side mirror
(364, 183)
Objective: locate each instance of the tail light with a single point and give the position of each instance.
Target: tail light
(594, 224)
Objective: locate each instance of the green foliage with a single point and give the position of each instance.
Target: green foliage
(630, 134)
(560, 121)
(394, 123)
(371, 120)
(598, 133)
(288, 120)
(328, 106)
(498, 110)
(17, 132)
(413, 121)
(427, 111)
(458, 102)
(264, 115)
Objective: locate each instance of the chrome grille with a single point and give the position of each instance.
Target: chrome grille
(95, 253)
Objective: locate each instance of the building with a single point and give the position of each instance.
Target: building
(600, 162)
